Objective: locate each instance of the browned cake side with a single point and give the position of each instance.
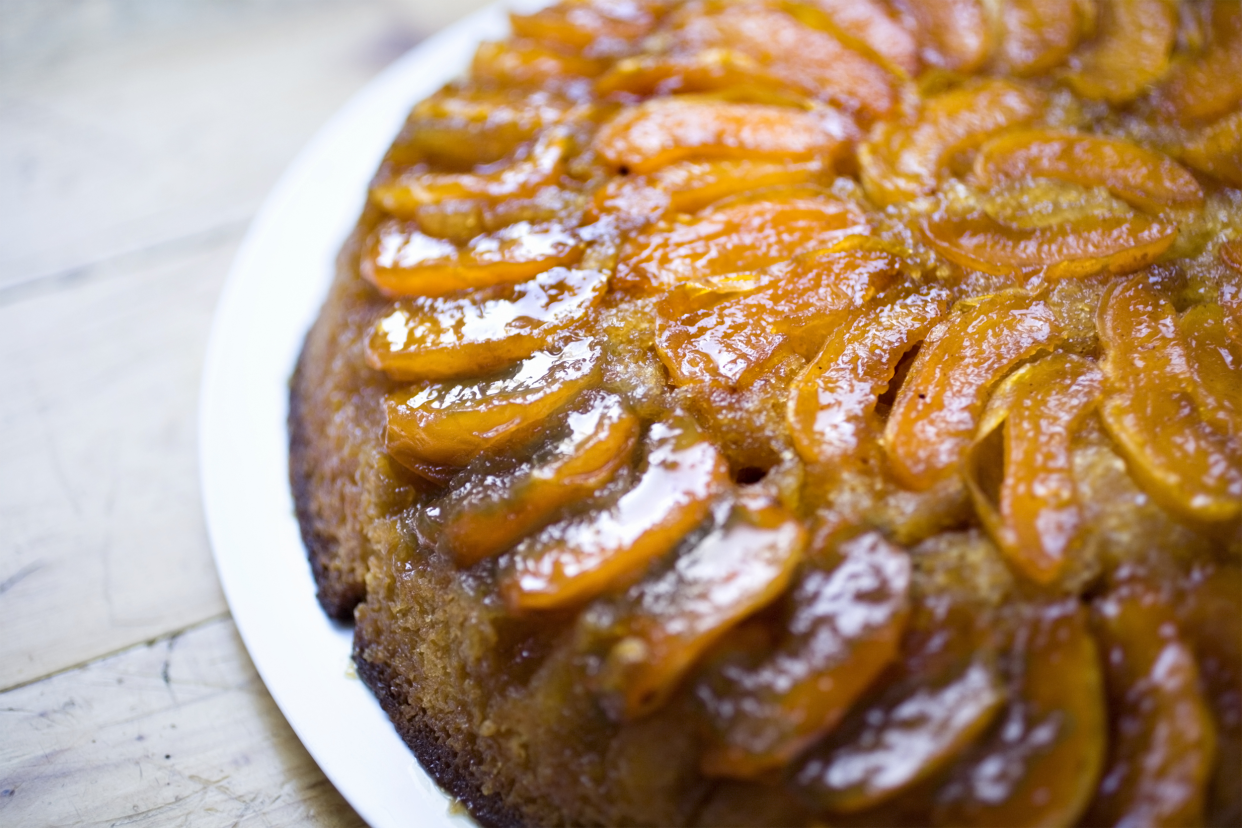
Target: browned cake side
(341, 477)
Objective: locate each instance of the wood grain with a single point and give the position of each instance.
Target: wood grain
(103, 543)
(155, 132)
(178, 732)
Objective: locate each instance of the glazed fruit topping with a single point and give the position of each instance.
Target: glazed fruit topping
(1114, 244)
(1129, 52)
(937, 409)
(409, 191)
(401, 260)
(734, 328)
(937, 700)
(1030, 504)
(794, 42)
(1042, 761)
(491, 511)
(1153, 407)
(463, 335)
(1148, 180)
(905, 159)
(435, 428)
(651, 636)
(570, 562)
(664, 130)
(742, 234)
(843, 630)
(832, 404)
(1159, 714)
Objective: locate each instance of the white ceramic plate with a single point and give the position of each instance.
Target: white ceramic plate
(272, 295)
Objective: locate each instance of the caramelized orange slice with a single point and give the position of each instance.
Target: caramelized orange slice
(689, 186)
(477, 334)
(1032, 512)
(657, 133)
(1217, 149)
(903, 160)
(808, 58)
(1039, 34)
(844, 630)
(733, 332)
(1213, 603)
(938, 699)
(741, 235)
(1230, 295)
(583, 25)
(1113, 244)
(520, 62)
(952, 34)
(1150, 408)
(1149, 180)
(1210, 85)
(490, 513)
(1163, 736)
(405, 193)
(1042, 762)
(832, 405)
(937, 409)
(464, 127)
(573, 561)
(401, 260)
(1215, 362)
(655, 633)
(1130, 51)
(436, 428)
(870, 24)
(709, 70)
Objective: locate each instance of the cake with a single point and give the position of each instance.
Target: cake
(823, 412)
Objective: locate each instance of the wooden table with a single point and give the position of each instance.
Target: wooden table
(137, 139)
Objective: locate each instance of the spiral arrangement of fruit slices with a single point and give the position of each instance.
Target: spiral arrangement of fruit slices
(869, 369)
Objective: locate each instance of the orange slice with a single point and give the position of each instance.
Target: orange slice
(1149, 180)
(436, 428)
(937, 409)
(656, 632)
(1150, 408)
(904, 160)
(844, 630)
(455, 336)
(1041, 765)
(1159, 715)
(571, 562)
(733, 330)
(401, 260)
(832, 405)
(1032, 512)
(490, 513)
(659, 132)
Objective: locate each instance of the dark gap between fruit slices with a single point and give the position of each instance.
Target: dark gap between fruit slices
(801, 413)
